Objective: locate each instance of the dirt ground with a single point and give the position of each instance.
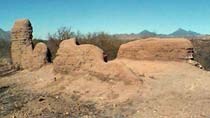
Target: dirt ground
(169, 90)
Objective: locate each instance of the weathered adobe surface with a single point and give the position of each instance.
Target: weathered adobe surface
(39, 56)
(73, 58)
(170, 49)
(22, 54)
(82, 59)
(21, 47)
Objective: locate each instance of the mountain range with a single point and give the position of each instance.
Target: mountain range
(184, 33)
(4, 34)
(145, 33)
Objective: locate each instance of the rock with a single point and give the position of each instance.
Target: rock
(21, 47)
(195, 63)
(170, 49)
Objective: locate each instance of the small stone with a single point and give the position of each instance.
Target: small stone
(67, 113)
(14, 117)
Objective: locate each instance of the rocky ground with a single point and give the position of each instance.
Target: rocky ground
(165, 90)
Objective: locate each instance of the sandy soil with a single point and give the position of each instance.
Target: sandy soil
(169, 90)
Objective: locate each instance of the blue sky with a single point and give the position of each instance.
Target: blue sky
(111, 16)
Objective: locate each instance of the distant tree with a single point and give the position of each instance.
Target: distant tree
(53, 46)
(110, 44)
(55, 39)
(62, 34)
(4, 48)
(38, 40)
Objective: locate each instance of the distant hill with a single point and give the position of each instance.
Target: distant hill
(145, 33)
(184, 33)
(4, 34)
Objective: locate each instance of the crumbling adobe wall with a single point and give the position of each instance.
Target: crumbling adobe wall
(71, 57)
(21, 46)
(170, 49)
(22, 54)
(39, 56)
(81, 59)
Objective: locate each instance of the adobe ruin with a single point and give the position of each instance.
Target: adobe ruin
(168, 49)
(89, 59)
(22, 53)
(21, 43)
(74, 58)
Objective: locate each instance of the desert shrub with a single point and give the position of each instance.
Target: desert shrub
(62, 33)
(53, 46)
(4, 48)
(110, 44)
(56, 38)
(35, 41)
(202, 52)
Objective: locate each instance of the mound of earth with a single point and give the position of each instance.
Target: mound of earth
(169, 49)
(82, 59)
(71, 57)
(169, 89)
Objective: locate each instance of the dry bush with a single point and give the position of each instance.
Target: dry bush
(4, 49)
(110, 44)
(53, 46)
(56, 38)
(202, 52)
(62, 33)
